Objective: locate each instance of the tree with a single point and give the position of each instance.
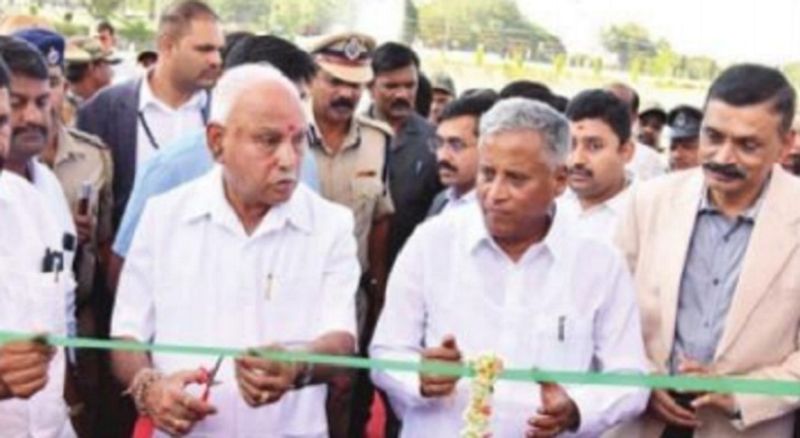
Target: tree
(665, 61)
(628, 41)
(137, 32)
(247, 12)
(283, 17)
(411, 22)
(496, 24)
(699, 67)
(102, 8)
(308, 17)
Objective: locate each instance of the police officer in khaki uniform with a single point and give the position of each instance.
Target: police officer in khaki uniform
(350, 151)
(82, 164)
(88, 69)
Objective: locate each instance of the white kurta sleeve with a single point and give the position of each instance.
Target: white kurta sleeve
(134, 307)
(401, 328)
(619, 347)
(340, 282)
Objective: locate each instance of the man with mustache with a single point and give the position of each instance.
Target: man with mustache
(601, 147)
(714, 252)
(456, 149)
(414, 178)
(31, 118)
(139, 117)
(82, 164)
(31, 372)
(31, 114)
(350, 151)
(504, 275)
(276, 268)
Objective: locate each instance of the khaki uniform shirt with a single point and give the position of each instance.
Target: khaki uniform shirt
(356, 175)
(70, 108)
(83, 158)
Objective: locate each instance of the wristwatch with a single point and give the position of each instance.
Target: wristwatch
(303, 378)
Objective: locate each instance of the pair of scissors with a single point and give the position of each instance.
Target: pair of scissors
(145, 427)
(209, 376)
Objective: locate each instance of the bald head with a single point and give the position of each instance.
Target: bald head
(626, 94)
(257, 132)
(241, 80)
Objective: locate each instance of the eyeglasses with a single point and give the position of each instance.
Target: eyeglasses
(455, 144)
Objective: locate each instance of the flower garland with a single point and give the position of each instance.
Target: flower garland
(479, 410)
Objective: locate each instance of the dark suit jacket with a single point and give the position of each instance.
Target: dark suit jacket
(112, 115)
(438, 204)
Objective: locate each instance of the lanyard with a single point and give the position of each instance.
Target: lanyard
(150, 136)
(149, 132)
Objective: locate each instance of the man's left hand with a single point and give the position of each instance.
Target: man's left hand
(264, 381)
(724, 402)
(557, 414)
(84, 227)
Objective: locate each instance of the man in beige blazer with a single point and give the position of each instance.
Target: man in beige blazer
(716, 258)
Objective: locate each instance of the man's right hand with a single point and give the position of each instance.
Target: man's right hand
(664, 407)
(23, 368)
(171, 408)
(432, 385)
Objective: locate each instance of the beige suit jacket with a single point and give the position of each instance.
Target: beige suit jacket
(761, 338)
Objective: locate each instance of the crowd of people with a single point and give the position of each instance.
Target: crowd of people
(243, 192)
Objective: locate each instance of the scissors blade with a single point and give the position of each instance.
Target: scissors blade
(213, 373)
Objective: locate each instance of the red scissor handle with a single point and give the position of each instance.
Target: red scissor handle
(145, 428)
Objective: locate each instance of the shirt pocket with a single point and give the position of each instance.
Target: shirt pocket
(562, 341)
(295, 309)
(40, 300)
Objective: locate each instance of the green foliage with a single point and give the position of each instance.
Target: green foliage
(68, 29)
(137, 32)
(411, 23)
(102, 8)
(628, 41)
(307, 17)
(560, 64)
(597, 66)
(697, 68)
(665, 61)
(282, 17)
(496, 24)
(480, 55)
(243, 12)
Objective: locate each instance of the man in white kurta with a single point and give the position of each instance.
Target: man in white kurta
(558, 302)
(31, 302)
(199, 273)
(601, 146)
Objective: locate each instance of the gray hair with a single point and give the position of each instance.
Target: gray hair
(237, 80)
(518, 113)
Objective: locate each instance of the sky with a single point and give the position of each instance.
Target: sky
(765, 31)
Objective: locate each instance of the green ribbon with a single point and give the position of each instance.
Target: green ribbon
(653, 381)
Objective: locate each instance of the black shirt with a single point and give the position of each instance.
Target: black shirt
(413, 180)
